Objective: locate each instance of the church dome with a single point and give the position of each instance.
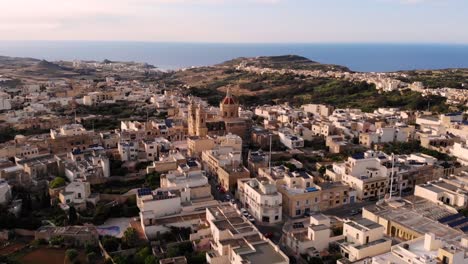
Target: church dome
(229, 100)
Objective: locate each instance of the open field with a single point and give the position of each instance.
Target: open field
(48, 256)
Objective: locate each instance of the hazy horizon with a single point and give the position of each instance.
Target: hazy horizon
(172, 55)
(236, 21)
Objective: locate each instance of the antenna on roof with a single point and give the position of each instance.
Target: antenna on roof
(269, 158)
(391, 173)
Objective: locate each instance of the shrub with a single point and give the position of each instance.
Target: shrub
(57, 182)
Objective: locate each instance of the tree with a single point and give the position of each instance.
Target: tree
(45, 200)
(57, 182)
(56, 240)
(110, 243)
(72, 216)
(142, 254)
(71, 254)
(315, 260)
(322, 170)
(152, 180)
(130, 237)
(150, 260)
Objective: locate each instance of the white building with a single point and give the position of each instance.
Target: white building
(427, 249)
(460, 150)
(261, 199)
(366, 173)
(450, 191)
(75, 194)
(69, 130)
(5, 101)
(309, 236)
(362, 239)
(5, 192)
(128, 150)
(182, 194)
(237, 241)
(290, 140)
(318, 109)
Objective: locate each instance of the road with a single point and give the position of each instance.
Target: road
(345, 211)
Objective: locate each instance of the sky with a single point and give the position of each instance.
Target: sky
(237, 21)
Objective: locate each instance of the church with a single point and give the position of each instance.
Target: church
(204, 122)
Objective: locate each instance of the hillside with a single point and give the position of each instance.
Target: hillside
(452, 78)
(292, 62)
(253, 89)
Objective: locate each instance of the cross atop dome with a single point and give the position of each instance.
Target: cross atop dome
(229, 100)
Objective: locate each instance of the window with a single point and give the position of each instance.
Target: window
(298, 212)
(297, 203)
(357, 235)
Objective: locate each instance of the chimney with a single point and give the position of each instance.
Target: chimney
(464, 242)
(429, 242)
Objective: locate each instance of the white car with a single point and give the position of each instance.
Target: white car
(244, 212)
(251, 218)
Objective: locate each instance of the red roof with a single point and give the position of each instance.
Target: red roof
(229, 100)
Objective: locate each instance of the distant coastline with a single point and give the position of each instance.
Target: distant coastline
(165, 55)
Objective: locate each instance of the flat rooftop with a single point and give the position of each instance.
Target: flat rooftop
(418, 216)
(264, 253)
(363, 224)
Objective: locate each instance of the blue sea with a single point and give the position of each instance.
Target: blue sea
(165, 55)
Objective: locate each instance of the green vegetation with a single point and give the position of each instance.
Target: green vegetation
(452, 78)
(72, 216)
(9, 133)
(414, 147)
(57, 182)
(57, 241)
(101, 124)
(71, 254)
(118, 187)
(104, 211)
(152, 180)
(362, 95)
(116, 168)
(110, 243)
(279, 88)
(284, 62)
(130, 238)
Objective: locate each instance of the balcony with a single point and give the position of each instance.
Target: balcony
(271, 205)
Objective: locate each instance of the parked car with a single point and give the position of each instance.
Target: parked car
(233, 201)
(251, 219)
(355, 212)
(244, 212)
(268, 235)
(228, 197)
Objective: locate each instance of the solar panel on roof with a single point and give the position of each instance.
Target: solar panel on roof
(449, 218)
(298, 225)
(144, 191)
(464, 229)
(458, 222)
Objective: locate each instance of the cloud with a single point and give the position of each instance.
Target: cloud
(413, 2)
